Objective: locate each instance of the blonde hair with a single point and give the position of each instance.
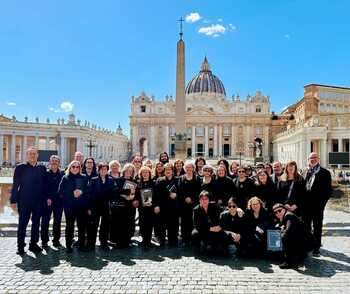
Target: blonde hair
(114, 162)
(249, 205)
(145, 168)
(67, 172)
(126, 167)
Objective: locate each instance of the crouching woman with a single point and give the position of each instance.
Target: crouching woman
(296, 239)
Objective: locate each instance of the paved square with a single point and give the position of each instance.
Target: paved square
(172, 271)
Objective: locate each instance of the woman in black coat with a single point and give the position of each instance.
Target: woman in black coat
(291, 189)
(144, 192)
(89, 168)
(297, 241)
(207, 180)
(123, 203)
(166, 205)
(101, 189)
(189, 189)
(257, 221)
(265, 189)
(223, 187)
(74, 191)
(244, 187)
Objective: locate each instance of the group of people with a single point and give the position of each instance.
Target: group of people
(210, 208)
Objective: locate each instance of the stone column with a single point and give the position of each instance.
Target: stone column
(206, 141)
(193, 141)
(24, 147)
(13, 149)
(47, 143)
(152, 143)
(1, 149)
(233, 151)
(37, 142)
(79, 145)
(63, 151)
(323, 155)
(167, 139)
(215, 141)
(340, 145)
(220, 140)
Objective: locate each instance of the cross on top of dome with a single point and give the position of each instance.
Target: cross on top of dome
(205, 65)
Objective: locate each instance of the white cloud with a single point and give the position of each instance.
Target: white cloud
(192, 17)
(214, 30)
(232, 27)
(66, 106)
(11, 103)
(287, 36)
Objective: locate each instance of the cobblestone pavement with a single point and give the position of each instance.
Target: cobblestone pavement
(172, 271)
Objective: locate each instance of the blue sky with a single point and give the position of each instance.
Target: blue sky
(94, 55)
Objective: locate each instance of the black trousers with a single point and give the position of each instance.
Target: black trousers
(98, 218)
(186, 222)
(122, 224)
(57, 210)
(25, 213)
(213, 239)
(80, 217)
(169, 226)
(146, 223)
(313, 218)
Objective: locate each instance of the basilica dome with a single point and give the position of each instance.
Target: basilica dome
(205, 82)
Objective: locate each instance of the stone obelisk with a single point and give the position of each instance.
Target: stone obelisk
(180, 123)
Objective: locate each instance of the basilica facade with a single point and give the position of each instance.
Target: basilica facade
(216, 125)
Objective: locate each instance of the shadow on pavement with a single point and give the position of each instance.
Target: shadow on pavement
(45, 263)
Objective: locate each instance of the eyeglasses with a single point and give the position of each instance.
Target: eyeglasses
(232, 206)
(278, 211)
(75, 166)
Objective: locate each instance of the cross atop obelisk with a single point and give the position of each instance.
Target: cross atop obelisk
(180, 124)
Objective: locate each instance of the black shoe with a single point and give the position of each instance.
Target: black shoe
(316, 253)
(56, 244)
(69, 249)
(20, 251)
(285, 265)
(35, 248)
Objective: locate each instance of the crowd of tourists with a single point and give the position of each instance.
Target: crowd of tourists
(188, 204)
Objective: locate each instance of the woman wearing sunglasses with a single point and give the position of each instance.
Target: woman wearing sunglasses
(296, 239)
(233, 225)
(73, 189)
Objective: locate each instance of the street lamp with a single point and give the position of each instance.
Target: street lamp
(90, 145)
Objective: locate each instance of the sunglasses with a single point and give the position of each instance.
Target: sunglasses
(241, 171)
(232, 206)
(75, 166)
(278, 211)
(206, 170)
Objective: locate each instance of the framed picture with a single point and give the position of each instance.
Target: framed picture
(129, 185)
(274, 242)
(146, 195)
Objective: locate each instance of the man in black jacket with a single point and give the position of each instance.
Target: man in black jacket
(318, 191)
(29, 196)
(206, 221)
(54, 204)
